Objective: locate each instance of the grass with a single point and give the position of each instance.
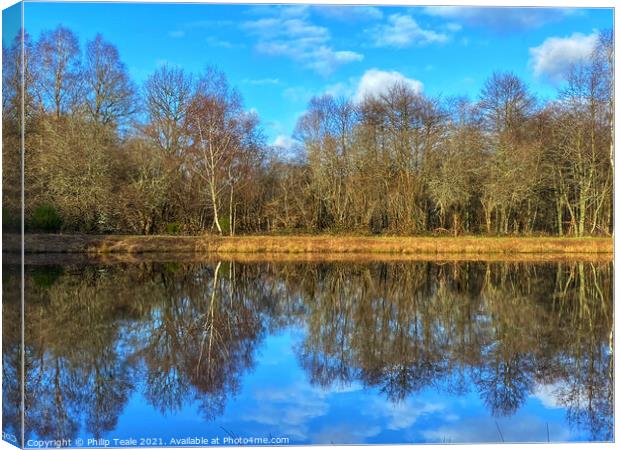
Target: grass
(311, 245)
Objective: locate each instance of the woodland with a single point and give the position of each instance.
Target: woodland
(182, 155)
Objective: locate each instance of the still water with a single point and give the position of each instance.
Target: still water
(311, 352)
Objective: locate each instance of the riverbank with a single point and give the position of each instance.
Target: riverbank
(323, 244)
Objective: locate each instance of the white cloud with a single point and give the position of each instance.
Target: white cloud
(291, 408)
(548, 395)
(554, 57)
(286, 10)
(324, 60)
(275, 27)
(342, 89)
(348, 13)
(403, 31)
(285, 143)
(375, 82)
(301, 41)
(452, 26)
(499, 18)
(553, 395)
(403, 415)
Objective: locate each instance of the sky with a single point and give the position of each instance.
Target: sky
(278, 57)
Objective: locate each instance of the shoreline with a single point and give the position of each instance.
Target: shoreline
(311, 245)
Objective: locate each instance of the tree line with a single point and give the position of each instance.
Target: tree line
(181, 154)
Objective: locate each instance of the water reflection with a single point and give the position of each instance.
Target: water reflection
(11, 354)
(174, 334)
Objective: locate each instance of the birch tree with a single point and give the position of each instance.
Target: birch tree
(58, 67)
(218, 127)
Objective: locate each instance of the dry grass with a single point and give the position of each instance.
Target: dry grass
(292, 245)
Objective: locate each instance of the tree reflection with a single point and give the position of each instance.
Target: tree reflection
(11, 352)
(180, 333)
(199, 339)
(506, 327)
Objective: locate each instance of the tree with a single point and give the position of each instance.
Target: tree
(581, 160)
(59, 72)
(453, 175)
(506, 107)
(12, 88)
(15, 95)
(167, 94)
(76, 173)
(218, 129)
(110, 97)
(413, 128)
(326, 130)
(505, 103)
(148, 183)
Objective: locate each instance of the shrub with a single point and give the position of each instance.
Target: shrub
(173, 228)
(45, 218)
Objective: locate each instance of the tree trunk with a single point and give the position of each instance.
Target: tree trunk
(231, 219)
(487, 219)
(559, 216)
(582, 213)
(455, 224)
(216, 219)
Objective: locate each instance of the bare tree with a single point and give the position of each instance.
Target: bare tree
(167, 94)
(326, 130)
(57, 63)
(215, 123)
(453, 175)
(110, 97)
(505, 102)
(583, 140)
(12, 77)
(506, 105)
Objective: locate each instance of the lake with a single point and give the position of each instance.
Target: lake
(310, 352)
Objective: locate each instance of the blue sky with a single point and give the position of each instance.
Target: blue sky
(280, 56)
